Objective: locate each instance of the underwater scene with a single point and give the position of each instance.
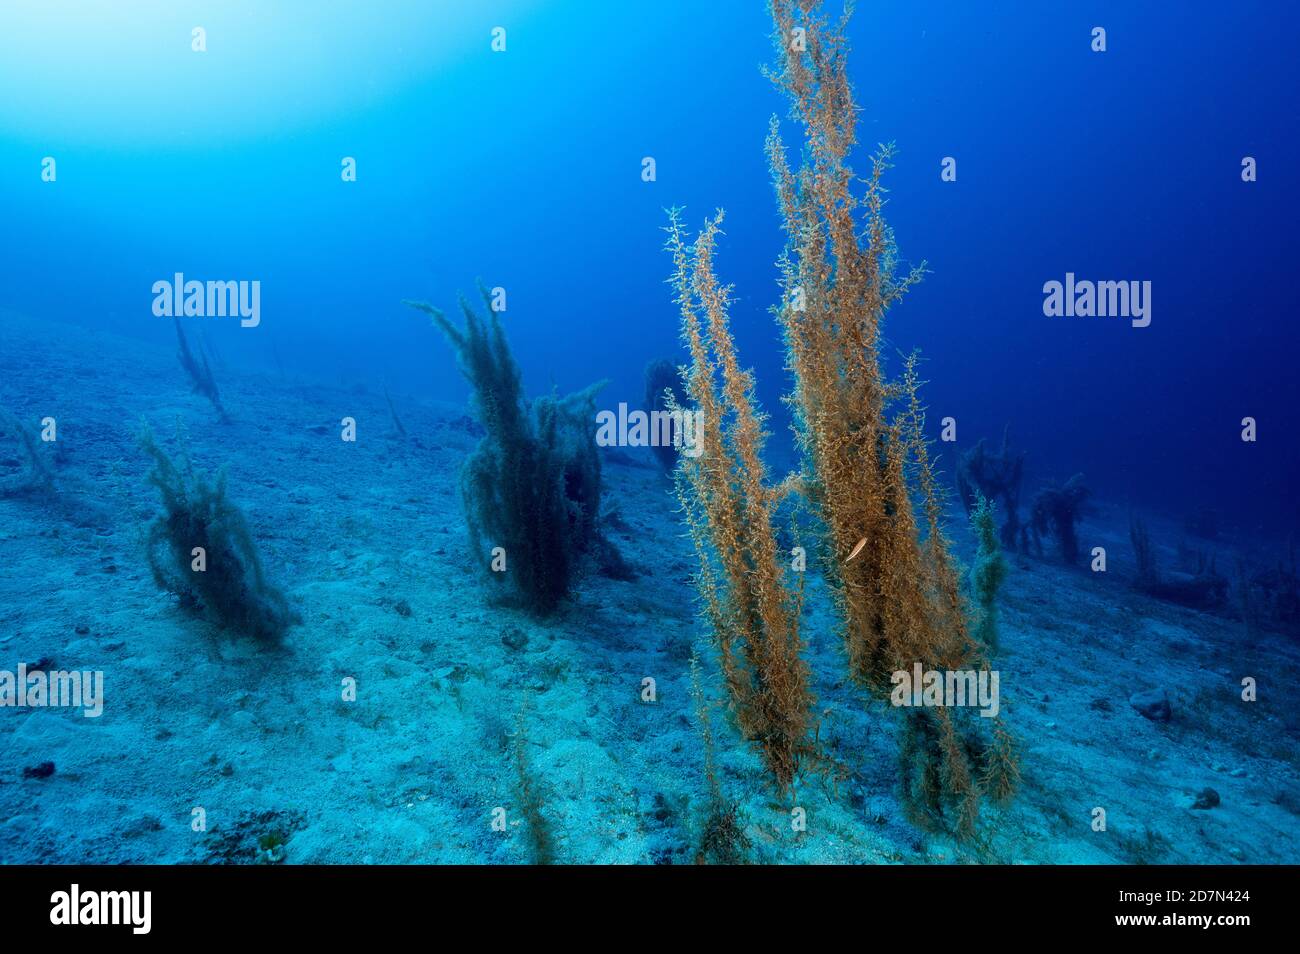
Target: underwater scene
(522, 432)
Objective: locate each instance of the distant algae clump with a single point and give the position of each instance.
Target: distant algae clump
(866, 472)
(531, 488)
(202, 550)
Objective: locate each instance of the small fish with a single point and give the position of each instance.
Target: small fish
(857, 549)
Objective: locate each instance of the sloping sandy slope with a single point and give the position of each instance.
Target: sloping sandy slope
(369, 540)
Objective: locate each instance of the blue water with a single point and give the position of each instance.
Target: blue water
(523, 169)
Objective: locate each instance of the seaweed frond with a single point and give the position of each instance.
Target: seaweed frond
(399, 428)
(529, 790)
(722, 839)
(988, 573)
(200, 374)
(1000, 776)
(37, 477)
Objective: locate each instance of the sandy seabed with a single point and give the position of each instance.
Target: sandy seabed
(369, 540)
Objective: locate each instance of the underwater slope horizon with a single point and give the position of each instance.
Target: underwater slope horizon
(543, 582)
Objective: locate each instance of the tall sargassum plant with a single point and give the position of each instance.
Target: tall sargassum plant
(862, 436)
(532, 486)
(202, 550)
(753, 609)
(860, 433)
(866, 469)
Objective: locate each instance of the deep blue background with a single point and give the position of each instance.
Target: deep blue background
(524, 168)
